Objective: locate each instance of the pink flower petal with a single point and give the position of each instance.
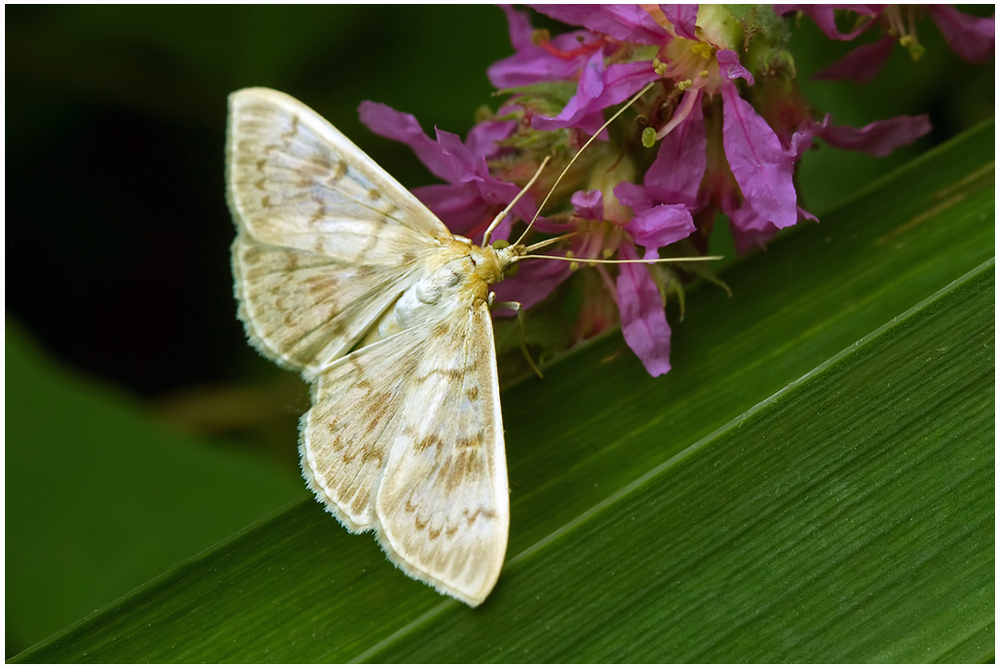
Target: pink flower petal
(802, 139)
(644, 321)
(660, 226)
(973, 38)
(518, 27)
(626, 23)
(633, 196)
(385, 121)
(749, 230)
(532, 63)
(588, 204)
(482, 138)
(465, 165)
(461, 207)
(472, 197)
(598, 89)
(622, 80)
(762, 168)
(860, 65)
(731, 68)
(879, 138)
(675, 175)
(823, 15)
(591, 85)
(683, 18)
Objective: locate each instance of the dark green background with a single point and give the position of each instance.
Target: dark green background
(118, 233)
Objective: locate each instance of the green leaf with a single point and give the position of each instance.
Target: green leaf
(101, 498)
(814, 481)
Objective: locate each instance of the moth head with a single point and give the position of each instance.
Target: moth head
(494, 262)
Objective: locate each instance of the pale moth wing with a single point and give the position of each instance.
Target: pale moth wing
(341, 273)
(326, 241)
(433, 433)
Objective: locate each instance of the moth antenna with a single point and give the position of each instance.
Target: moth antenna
(582, 149)
(548, 242)
(503, 214)
(589, 260)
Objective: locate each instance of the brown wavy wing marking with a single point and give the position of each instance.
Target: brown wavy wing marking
(443, 501)
(355, 416)
(304, 309)
(294, 180)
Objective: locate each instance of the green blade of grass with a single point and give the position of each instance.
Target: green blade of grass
(101, 498)
(783, 494)
(848, 519)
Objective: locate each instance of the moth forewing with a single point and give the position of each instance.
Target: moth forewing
(326, 241)
(295, 180)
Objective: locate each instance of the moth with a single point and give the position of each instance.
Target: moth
(342, 274)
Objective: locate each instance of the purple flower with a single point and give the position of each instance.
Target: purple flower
(640, 306)
(759, 162)
(558, 59)
(762, 166)
(625, 23)
(599, 88)
(654, 224)
(717, 150)
(644, 322)
(602, 86)
(675, 175)
(971, 37)
(683, 18)
(860, 65)
(471, 197)
(879, 138)
(576, 55)
(823, 15)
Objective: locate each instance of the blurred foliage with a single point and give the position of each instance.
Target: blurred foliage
(118, 235)
(101, 498)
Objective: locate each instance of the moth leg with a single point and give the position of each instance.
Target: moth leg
(516, 307)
